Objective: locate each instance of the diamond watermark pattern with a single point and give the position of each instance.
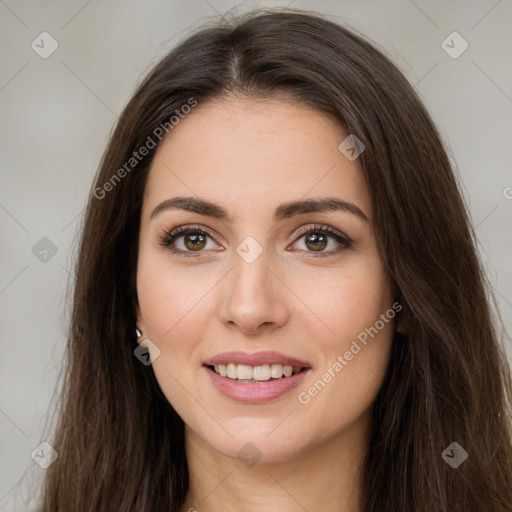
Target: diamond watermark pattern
(454, 45)
(44, 455)
(249, 455)
(351, 147)
(44, 45)
(249, 249)
(44, 250)
(454, 455)
(147, 352)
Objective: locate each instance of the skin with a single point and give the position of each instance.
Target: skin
(249, 157)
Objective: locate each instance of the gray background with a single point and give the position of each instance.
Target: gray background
(57, 114)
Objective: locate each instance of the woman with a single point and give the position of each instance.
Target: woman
(278, 303)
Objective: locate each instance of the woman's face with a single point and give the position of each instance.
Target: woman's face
(263, 270)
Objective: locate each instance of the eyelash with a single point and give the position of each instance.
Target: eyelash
(169, 237)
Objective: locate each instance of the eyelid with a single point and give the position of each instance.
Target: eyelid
(318, 227)
(343, 240)
(183, 230)
(168, 237)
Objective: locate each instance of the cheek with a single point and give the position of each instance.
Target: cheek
(346, 300)
(353, 362)
(351, 392)
(169, 297)
(174, 320)
(353, 340)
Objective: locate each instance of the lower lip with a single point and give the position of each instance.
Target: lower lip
(255, 392)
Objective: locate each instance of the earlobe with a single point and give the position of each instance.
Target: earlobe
(400, 327)
(139, 327)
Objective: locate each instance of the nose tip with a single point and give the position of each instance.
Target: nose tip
(253, 299)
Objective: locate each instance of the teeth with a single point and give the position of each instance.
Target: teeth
(261, 372)
(244, 372)
(276, 371)
(221, 369)
(231, 371)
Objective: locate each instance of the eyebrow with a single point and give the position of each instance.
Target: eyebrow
(283, 211)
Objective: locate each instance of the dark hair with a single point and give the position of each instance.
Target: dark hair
(120, 442)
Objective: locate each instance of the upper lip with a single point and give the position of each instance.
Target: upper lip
(255, 359)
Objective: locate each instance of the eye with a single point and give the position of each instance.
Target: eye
(188, 240)
(317, 238)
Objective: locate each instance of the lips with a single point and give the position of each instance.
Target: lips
(256, 359)
(253, 391)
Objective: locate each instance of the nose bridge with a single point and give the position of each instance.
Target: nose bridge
(250, 282)
(251, 273)
(253, 296)
(251, 259)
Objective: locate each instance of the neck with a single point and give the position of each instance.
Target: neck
(325, 477)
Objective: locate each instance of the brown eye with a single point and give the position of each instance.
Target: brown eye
(195, 242)
(321, 241)
(188, 240)
(316, 242)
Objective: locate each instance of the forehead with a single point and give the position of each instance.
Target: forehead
(247, 154)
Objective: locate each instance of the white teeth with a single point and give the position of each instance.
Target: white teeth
(261, 372)
(244, 372)
(231, 371)
(276, 371)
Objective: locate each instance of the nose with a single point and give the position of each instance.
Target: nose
(253, 298)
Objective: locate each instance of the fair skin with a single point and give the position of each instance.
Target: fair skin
(249, 157)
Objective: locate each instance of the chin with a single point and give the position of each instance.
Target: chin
(263, 439)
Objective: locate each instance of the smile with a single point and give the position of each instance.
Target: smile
(255, 378)
(246, 373)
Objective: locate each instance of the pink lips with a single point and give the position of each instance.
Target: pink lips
(255, 392)
(257, 359)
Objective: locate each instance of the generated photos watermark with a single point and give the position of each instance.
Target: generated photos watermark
(137, 156)
(305, 397)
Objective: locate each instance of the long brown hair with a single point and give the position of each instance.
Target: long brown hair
(121, 444)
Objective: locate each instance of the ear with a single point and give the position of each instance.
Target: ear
(139, 322)
(400, 326)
